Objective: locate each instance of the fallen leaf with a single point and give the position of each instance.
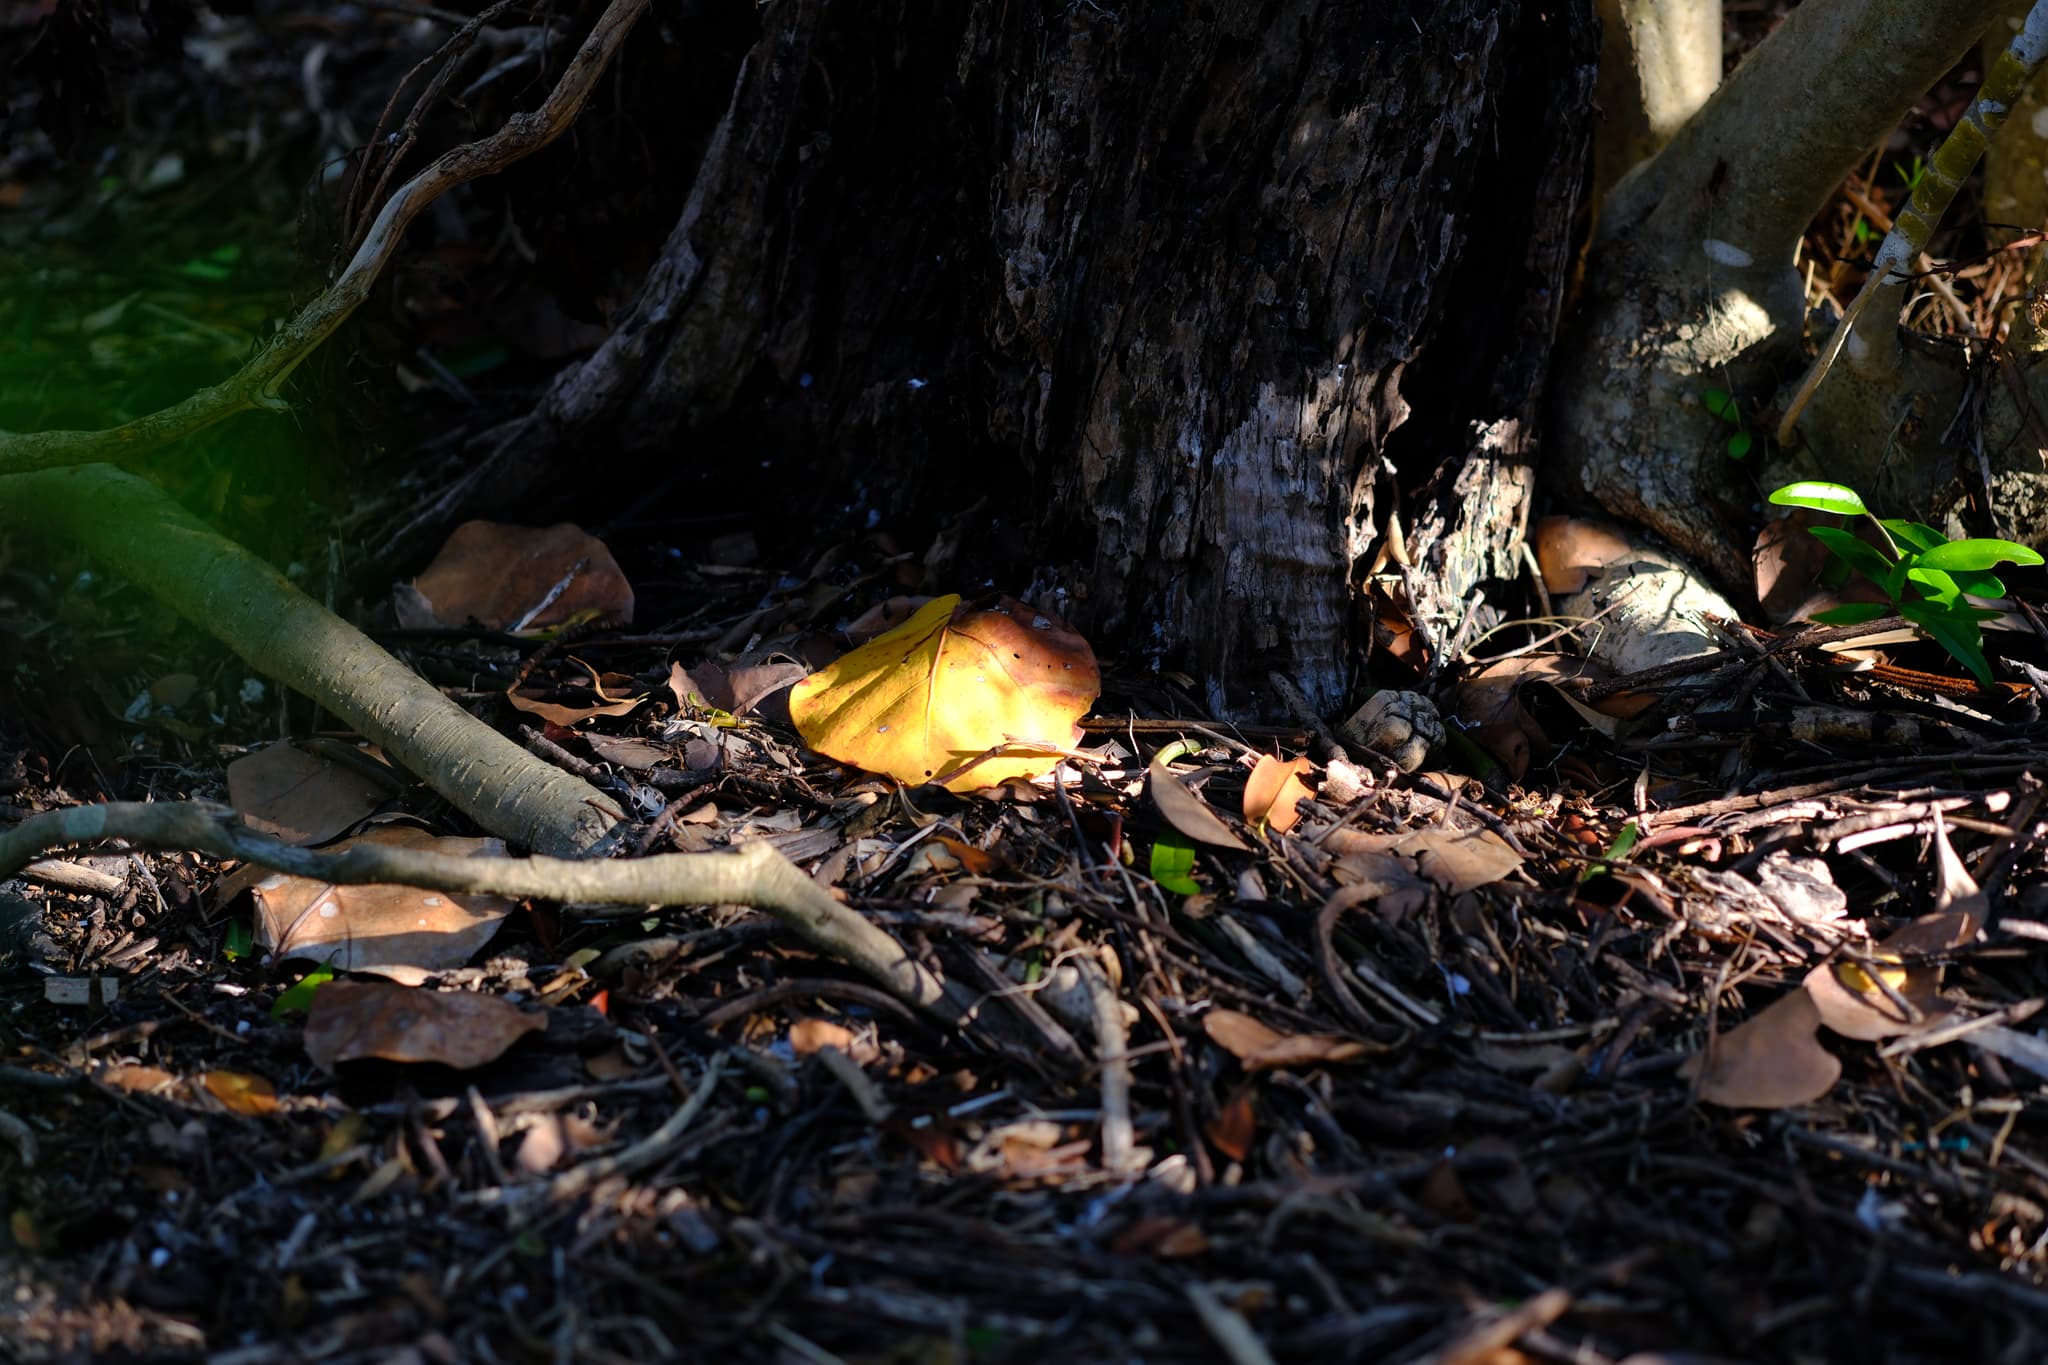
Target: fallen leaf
(1262, 1048)
(637, 754)
(354, 1020)
(1851, 1003)
(930, 700)
(1455, 860)
(807, 1036)
(301, 796)
(1235, 1125)
(1272, 790)
(1570, 550)
(241, 1093)
(1184, 810)
(1460, 860)
(1390, 883)
(1772, 1060)
(1165, 1237)
(380, 928)
(134, 1078)
(562, 714)
(519, 578)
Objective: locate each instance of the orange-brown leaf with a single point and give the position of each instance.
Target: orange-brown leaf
(962, 696)
(1272, 790)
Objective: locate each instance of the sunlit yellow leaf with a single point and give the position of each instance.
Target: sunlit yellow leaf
(961, 695)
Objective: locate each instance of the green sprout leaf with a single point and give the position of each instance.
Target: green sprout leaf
(1977, 554)
(1173, 859)
(1721, 403)
(1821, 497)
(1740, 445)
(299, 997)
(1955, 632)
(1940, 589)
(1913, 535)
(1859, 555)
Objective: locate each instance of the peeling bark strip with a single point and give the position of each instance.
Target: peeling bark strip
(1149, 276)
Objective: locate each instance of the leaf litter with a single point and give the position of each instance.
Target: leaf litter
(1431, 1041)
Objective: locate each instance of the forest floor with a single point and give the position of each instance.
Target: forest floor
(1409, 1067)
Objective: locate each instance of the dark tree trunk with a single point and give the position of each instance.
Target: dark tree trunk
(1184, 301)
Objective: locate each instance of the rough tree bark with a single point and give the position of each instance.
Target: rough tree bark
(1194, 297)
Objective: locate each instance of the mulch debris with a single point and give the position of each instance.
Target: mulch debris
(1411, 1081)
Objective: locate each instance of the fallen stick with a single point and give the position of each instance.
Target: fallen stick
(753, 875)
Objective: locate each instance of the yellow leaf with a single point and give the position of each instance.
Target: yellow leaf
(241, 1093)
(960, 695)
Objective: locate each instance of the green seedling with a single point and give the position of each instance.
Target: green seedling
(1173, 862)
(1617, 852)
(1723, 405)
(1927, 577)
(298, 998)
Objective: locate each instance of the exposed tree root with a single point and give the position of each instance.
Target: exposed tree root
(134, 528)
(755, 875)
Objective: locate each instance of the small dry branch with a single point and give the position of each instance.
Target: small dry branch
(754, 875)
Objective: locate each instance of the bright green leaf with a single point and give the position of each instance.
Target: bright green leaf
(1941, 590)
(1173, 859)
(299, 997)
(1740, 444)
(1913, 535)
(1955, 632)
(1978, 584)
(1860, 555)
(1977, 554)
(1821, 497)
(1721, 403)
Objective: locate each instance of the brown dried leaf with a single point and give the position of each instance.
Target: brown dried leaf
(1262, 1048)
(807, 1036)
(1272, 791)
(568, 715)
(1460, 860)
(353, 1020)
(626, 752)
(521, 578)
(1569, 550)
(395, 930)
(133, 1078)
(1772, 1060)
(1232, 1130)
(305, 797)
(1165, 1237)
(1185, 811)
(1850, 1002)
